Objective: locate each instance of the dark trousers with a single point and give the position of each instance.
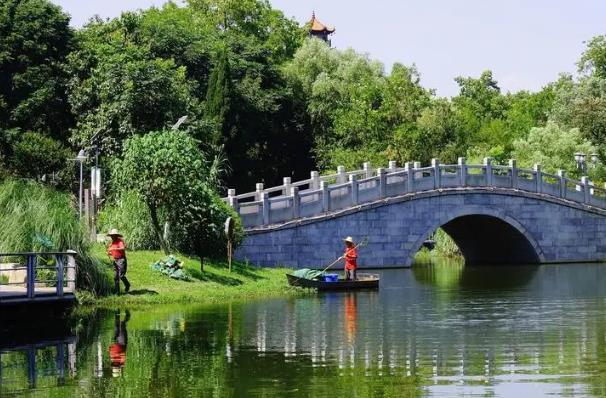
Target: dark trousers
(120, 266)
(350, 275)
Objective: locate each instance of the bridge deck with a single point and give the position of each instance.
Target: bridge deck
(24, 281)
(325, 194)
(18, 294)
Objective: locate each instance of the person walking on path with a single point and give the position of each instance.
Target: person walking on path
(351, 259)
(117, 251)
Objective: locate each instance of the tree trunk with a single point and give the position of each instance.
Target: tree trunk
(202, 263)
(153, 212)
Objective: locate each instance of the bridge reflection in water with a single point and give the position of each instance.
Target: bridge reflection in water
(40, 365)
(467, 327)
(432, 330)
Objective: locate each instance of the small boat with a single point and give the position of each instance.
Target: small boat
(364, 281)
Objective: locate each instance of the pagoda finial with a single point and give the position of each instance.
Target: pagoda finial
(313, 15)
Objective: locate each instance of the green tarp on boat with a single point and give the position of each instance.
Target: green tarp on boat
(307, 273)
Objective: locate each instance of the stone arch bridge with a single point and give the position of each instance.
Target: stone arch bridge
(495, 214)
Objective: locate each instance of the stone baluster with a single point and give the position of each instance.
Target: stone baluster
(259, 191)
(462, 162)
(562, 180)
(325, 196)
(382, 182)
(31, 276)
(71, 271)
(341, 175)
(393, 166)
(286, 181)
(488, 171)
(266, 204)
(513, 173)
(354, 189)
(435, 163)
(538, 178)
(315, 180)
(232, 200)
(60, 261)
(367, 169)
(585, 185)
(296, 201)
(410, 176)
(417, 165)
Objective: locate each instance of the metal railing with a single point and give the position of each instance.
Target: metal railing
(32, 275)
(321, 194)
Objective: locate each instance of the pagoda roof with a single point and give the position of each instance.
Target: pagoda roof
(317, 26)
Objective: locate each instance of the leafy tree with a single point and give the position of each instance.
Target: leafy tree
(344, 93)
(253, 20)
(35, 155)
(35, 39)
(199, 225)
(125, 92)
(554, 147)
(593, 60)
(481, 96)
(403, 96)
(170, 174)
(218, 97)
(583, 105)
(164, 168)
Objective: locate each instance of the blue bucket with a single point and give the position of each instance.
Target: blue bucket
(331, 278)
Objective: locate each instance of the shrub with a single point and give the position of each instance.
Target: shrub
(129, 214)
(35, 155)
(199, 229)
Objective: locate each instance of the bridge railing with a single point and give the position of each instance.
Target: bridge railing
(321, 194)
(28, 276)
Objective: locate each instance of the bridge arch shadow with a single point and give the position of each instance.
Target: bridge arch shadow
(486, 236)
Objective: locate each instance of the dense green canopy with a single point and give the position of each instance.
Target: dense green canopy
(261, 99)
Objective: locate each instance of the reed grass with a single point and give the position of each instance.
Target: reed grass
(34, 217)
(445, 246)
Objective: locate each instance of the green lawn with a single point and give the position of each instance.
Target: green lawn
(215, 284)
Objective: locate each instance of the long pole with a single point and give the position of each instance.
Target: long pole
(342, 257)
(80, 195)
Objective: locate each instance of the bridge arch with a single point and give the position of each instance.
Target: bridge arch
(535, 228)
(485, 236)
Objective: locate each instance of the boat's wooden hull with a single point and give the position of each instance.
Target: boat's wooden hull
(364, 281)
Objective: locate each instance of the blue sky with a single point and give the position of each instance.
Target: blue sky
(526, 43)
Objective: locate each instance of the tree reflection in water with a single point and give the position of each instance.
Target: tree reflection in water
(440, 331)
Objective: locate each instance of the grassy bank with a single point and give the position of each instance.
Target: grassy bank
(215, 285)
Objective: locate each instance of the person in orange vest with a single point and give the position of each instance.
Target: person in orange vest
(351, 259)
(117, 351)
(117, 251)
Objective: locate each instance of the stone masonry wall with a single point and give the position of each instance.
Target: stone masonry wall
(558, 231)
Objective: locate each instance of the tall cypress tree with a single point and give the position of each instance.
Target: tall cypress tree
(218, 98)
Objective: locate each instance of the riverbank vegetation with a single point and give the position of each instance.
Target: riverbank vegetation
(39, 218)
(215, 285)
(252, 85)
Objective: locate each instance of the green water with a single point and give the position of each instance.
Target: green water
(442, 330)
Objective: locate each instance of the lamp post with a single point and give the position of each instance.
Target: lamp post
(582, 164)
(80, 158)
(579, 158)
